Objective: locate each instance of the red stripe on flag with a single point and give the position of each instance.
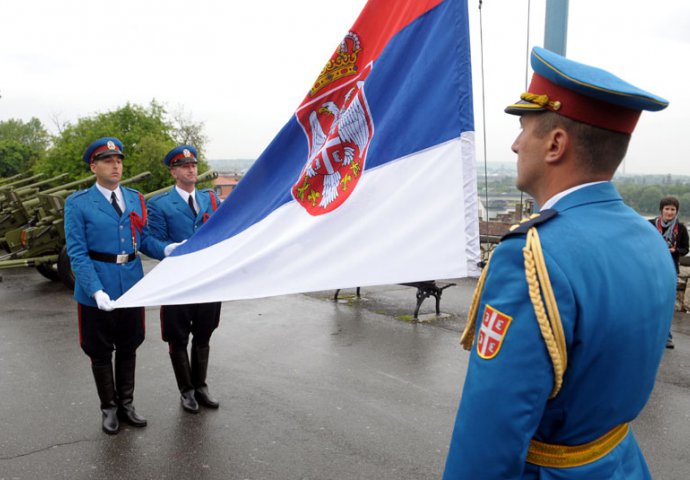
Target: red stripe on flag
(379, 21)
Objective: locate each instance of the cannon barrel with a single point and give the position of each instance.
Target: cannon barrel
(16, 176)
(27, 188)
(204, 177)
(135, 178)
(21, 182)
(68, 186)
(28, 262)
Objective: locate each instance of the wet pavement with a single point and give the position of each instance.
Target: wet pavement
(309, 389)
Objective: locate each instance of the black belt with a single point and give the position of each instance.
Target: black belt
(110, 258)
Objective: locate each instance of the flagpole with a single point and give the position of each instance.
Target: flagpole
(556, 26)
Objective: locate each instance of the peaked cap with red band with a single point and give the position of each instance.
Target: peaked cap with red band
(103, 147)
(181, 155)
(580, 92)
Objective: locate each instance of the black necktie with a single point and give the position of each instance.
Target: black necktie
(116, 206)
(190, 200)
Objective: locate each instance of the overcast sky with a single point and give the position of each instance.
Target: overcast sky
(243, 67)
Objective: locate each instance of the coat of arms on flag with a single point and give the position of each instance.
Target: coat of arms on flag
(338, 127)
(492, 332)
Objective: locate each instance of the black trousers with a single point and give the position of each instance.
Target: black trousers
(123, 329)
(197, 319)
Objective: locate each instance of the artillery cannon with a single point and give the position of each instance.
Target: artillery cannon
(40, 241)
(20, 182)
(14, 177)
(22, 206)
(207, 176)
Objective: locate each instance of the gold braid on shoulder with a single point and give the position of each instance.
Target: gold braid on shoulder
(540, 292)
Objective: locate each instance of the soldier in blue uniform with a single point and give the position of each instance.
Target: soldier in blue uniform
(174, 216)
(572, 311)
(105, 227)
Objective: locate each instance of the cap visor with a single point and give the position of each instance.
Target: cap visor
(522, 107)
(184, 161)
(108, 153)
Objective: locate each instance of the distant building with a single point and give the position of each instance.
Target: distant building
(225, 183)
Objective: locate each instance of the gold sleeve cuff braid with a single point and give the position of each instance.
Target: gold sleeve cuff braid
(541, 293)
(566, 456)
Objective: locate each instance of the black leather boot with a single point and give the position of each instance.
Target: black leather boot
(125, 365)
(183, 375)
(199, 369)
(103, 375)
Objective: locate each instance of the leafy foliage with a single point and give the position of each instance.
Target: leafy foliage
(21, 145)
(644, 198)
(146, 133)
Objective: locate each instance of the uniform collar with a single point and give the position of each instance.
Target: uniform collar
(553, 200)
(107, 193)
(185, 195)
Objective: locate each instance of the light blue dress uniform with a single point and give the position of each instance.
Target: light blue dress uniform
(88, 216)
(165, 210)
(614, 281)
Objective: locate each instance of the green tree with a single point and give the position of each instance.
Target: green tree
(22, 144)
(146, 133)
(684, 200)
(649, 200)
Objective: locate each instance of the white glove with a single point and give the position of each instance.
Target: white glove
(172, 246)
(103, 301)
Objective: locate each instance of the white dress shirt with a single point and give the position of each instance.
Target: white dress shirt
(107, 194)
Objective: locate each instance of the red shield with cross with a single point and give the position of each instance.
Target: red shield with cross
(339, 128)
(492, 332)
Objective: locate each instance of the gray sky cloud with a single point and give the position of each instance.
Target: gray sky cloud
(243, 67)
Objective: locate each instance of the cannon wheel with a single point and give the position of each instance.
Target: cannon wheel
(49, 271)
(64, 269)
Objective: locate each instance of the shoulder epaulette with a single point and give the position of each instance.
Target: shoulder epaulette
(80, 193)
(133, 190)
(160, 195)
(536, 219)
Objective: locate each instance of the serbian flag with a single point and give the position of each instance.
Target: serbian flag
(371, 182)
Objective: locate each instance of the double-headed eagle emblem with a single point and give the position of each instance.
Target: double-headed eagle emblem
(339, 128)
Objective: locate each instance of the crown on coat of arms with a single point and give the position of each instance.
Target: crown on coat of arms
(342, 64)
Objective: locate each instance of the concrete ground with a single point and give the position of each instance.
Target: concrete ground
(309, 389)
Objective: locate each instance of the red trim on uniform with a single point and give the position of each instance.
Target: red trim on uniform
(214, 207)
(81, 337)
(179, 156)
(137, 223)
(161, 318)
(586, 109)
(214, 203)
(102, 148)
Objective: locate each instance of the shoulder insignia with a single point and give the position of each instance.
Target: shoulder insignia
(159, 196)
(130, 189)
(80, 193)
(492, 332)
(536, 219)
